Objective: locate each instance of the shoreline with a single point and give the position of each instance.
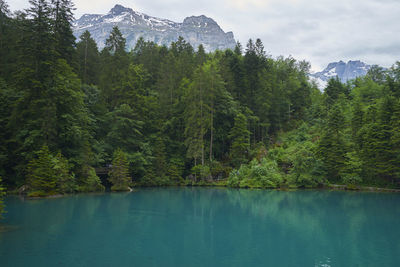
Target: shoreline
(327, 187)
(363, 188)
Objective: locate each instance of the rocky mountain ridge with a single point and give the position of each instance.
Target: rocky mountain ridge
(133, 25)
(344, 71)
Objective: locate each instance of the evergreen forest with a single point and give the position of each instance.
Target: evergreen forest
(76, 119)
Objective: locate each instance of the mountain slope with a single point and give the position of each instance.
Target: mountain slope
(344, 71)
(133, 25)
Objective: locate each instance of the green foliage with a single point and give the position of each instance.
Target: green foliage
(88, 59)
(65, 180)
(125, 128)
(240, 136)
(48, 174)
(150, 179)
(200, 109)
(351, 174)
(331, 148)
(89, 181)
(175, 170)
(62, 11)
(306, 168)
(292, 163)
(333, 91)
(119, 173)
(5, 108)
(41, 175)
(115, 43)
(265, 174)
(179, 113)
(203, 172)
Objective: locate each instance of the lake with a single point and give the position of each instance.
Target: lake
(204, 227)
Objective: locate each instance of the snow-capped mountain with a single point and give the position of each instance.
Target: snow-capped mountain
(344, 71)
(133, 25)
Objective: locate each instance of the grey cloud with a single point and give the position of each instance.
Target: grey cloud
(319, 31)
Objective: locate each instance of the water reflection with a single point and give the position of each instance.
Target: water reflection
(205, 227)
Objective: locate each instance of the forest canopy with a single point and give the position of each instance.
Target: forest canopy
(174, 115)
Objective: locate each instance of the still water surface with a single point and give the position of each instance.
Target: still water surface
(204, 227)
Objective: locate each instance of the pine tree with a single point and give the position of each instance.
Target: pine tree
(134, 89)
(65, 180)
(4, 10)
(114, 66)
(126, 129)
(214, 87)
(395, 141)
(331, 146)
(119, 173)
(175, 170)
(351, 172)
(116, 43)
(333, 91)
(240, 136)
(185, 58)
(41, 43)
(357, 121)
(149, 55)
(236, 67)
(160, 163)
(393, 80)
(33, 118)
(6, 102)
(238, 49)
(252, 68)
(376, 139)
(168, 84)
(63, 35)
(89, 181)
(5, 40)
(195, 128)
(88, 59)
(384, 151)
(201, 56)
(200, 110)
(68, 124)
(259, 48)
(377, 74)
(41, 176)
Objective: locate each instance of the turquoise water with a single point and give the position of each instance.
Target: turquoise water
(204, 227)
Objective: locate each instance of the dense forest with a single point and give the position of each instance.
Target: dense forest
(177, 115)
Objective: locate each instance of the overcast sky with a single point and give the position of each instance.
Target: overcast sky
(319, 31)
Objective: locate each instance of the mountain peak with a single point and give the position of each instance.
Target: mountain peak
(344, 71)
(134, 25)
(201, 23)
(199, 19)
(118, 9)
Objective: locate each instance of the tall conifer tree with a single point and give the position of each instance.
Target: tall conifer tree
(119, 173)
(240, 136)
(88, 59)
(63, 35)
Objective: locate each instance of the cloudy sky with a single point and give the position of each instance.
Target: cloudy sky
(319, 31)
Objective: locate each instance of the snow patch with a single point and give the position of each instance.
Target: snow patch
(116, 19)
(83, 26)
(332, 73)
